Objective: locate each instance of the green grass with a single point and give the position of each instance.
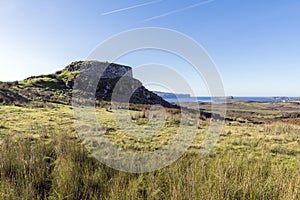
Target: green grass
(41, 157)
(45, 82)
(67, 76)
(60, 80)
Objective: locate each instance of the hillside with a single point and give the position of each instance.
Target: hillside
(58, 87)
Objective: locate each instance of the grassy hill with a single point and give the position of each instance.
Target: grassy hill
(57, 87)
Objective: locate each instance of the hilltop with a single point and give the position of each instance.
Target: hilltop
(58, 87)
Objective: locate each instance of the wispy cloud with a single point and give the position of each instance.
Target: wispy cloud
(178, 10)
(131, 7)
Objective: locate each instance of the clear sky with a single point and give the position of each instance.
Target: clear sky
(255, 44)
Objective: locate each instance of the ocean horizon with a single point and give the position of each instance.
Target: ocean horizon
(234, 98)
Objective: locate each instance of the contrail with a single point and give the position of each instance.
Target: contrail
(131, 7)
(178, 10)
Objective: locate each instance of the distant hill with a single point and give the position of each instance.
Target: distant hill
(169, 95)
(58, 87)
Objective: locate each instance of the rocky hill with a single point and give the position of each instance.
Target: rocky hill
(58, 87)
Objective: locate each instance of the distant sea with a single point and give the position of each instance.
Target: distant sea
(209, 99)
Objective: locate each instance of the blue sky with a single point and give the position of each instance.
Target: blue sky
(254, 44)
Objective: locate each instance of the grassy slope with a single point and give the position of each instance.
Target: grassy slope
(41, 156)
(51, 88)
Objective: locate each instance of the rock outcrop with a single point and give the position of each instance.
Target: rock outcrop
(107, 70)
(91, 79)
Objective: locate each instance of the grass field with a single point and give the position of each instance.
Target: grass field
(42, 157)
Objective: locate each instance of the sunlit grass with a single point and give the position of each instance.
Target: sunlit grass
(41, 156)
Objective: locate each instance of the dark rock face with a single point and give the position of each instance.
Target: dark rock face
(129, 90)
(114, 83)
